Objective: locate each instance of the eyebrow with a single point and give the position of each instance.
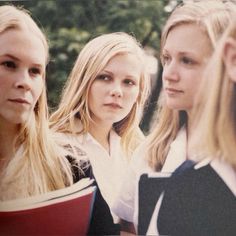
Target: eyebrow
(181, 53)
(17, 59)
(110, 73)
(11, 56)
(106, 71)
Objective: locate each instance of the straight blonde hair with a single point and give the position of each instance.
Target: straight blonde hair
(38, 165)
(212, 16)
(90, 62)
(215, 116)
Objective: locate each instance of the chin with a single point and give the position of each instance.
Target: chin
(174, 106)
(20, 119)
(113, 120)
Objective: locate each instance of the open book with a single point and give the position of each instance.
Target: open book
(62, 212)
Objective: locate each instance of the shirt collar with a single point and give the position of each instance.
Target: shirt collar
(177, 153)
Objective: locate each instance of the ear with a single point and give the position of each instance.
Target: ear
(229, 57)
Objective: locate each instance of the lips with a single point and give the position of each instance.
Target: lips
(19, 100)
(113, 105)
(173, 91)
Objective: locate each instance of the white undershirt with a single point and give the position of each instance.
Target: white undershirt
(108, 169)
(126, 205)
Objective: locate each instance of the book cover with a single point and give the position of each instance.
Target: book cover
(149, 190)
(62, 212)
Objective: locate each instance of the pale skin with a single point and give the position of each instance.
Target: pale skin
(22, 72)
(185, 55)
(118, 86)
(229, 57)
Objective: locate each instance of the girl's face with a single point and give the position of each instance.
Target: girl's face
(22, 67)
(115, 90)
(185, 55)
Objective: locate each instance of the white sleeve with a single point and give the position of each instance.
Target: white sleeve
(124, 205)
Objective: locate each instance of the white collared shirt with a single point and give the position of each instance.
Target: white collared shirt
(126, 206)
(108, 169)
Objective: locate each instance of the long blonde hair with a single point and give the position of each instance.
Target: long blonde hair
(36, 167)
(215, 116)
(90, 62)
(212, 16)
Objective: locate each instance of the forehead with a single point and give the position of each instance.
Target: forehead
(188, 38)
(24, 45)
(127, 62)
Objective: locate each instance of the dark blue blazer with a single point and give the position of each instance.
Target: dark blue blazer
(197, 202)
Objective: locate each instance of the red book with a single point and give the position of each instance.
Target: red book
(62, 212)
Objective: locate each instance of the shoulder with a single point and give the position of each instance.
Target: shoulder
(199, 186)
(71, 143)
(139, 155)
(200, 196)
(79, 168)
(138, 160)
(177, 152)
(74, 152)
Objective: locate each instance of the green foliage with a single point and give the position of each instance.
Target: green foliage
(70, 24)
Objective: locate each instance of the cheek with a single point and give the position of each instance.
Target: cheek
(192, 92)
(5, 83)
(93, 91)
(196, 91)
(93, 97)
(38, 89)
(163, 74)
(132, 96)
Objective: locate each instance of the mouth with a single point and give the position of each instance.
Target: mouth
(19, 101)
(173, 91)
(113, 105)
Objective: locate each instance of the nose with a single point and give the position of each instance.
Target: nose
(170, 72)
(116, 91)
(23, 80)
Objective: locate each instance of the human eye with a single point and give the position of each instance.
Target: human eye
(187, 61)
(129, 82)
(34, 71)
(103, 77)
(9, 64)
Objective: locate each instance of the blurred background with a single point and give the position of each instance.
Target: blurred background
(70, 24)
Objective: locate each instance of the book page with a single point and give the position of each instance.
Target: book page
(80, 188)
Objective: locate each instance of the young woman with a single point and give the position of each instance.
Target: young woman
(204, 201)
(188, 40)
(100, 112)
(31, 162)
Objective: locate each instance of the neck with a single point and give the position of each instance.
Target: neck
(101, 134)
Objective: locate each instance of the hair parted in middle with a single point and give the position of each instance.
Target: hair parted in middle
(90, 62)
(215, 115)
(38, 165)
(212, 16)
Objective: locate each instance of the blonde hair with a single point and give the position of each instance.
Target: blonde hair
(90, 62)
(212, 16)
(36, 167)
(215, 116)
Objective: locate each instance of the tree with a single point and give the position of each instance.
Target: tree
(70, 24)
